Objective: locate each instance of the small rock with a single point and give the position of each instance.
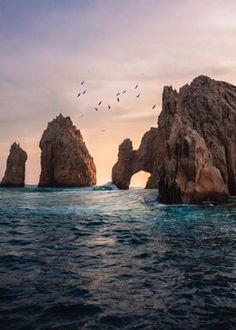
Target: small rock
(15, 170)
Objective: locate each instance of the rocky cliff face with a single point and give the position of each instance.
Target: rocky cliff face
(193, 151)
(15, 170)
(65, 159)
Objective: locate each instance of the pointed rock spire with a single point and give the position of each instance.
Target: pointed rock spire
(15, 169)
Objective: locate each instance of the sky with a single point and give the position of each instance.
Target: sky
(48, 47)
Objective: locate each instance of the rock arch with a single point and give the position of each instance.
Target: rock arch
(132, 161)
(139, 179)
(191, 154)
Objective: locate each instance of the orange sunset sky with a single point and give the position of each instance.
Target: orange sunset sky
(48, 47)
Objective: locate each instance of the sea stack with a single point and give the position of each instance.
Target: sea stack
(65, 159)
(191, 155)
(15, 170)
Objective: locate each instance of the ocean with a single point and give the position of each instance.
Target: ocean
(100, 258)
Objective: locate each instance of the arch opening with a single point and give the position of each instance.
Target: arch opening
(139, 179)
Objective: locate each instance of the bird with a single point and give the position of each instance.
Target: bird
(154, 106)
(138, 95)
(100, 103)
(96, 109)
(136, 86)
(123, 92)
(82, 83)
(84, 91)
(109, 107)
(79, 95)
(103, 130)
(118, 100)
(117, 94)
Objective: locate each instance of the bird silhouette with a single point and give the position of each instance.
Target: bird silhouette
(82, 83)
(100, 103)
(84, 91)
(136, 86)
(79, 95)
(118, 100)
(117, 94)
(109, 107)
(123, 92)
(96, 109)
(138, 95)
(103, 130)
(154, 106)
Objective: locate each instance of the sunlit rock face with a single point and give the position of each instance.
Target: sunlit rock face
(193, 150)
(15, 170)
(65, 159)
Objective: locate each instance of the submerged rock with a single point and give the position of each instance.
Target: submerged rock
(191, 155)
(65, 159)
(15, 170)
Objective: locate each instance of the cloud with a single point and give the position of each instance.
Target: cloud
(134, 116)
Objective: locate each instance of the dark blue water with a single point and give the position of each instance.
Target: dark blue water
(85, 259)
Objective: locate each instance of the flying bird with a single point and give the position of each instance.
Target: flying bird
(123, 92)
(96, 109)
(117, 94)
(100, 103)
(79, 95)
(118, 100)
(109, 107)
(84, 91)
(103, 130)
(138, 95)
(82, 83)
(136, 86)
(154, 106)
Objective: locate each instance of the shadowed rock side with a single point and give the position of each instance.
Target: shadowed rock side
(132, 161)
(65, 159)
(15, 171)
(193, 152)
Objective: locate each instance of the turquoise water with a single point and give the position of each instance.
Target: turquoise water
(106, 259)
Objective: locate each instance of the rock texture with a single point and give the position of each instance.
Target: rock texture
(65, 159)
(15, 170)
(191, 155)
(132, 161)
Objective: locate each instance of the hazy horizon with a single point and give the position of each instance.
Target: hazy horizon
(49, 47)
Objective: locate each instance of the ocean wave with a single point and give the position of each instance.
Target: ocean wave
(110, 259)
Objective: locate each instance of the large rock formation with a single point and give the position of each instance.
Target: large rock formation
(15, 170)
(132, 161)
(65, 160)
(192, 154)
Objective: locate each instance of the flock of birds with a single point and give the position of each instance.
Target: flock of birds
(118, 97)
